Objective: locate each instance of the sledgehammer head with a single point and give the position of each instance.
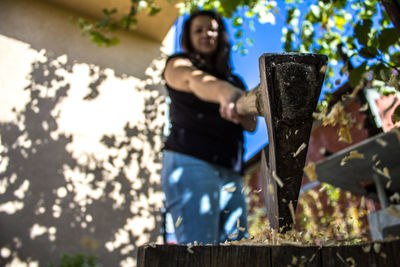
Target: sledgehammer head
(287, 97)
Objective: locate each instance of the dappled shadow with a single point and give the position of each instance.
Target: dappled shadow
(53, 200)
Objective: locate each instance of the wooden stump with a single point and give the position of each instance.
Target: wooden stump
(371, 254)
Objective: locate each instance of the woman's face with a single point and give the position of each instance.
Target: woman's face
(204, 35)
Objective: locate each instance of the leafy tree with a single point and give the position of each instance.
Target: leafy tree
(359, 36)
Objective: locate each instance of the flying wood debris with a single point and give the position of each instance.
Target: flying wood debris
(395, 197)
(353, 155)
(377, 247)
(277, 179)
(364, 107)
(292, 212)
(294, 260)
(322, 189)
(310, 171)
(384, 172)
(189, 249)
(233, 235)
(312, 257)
(350, 261)
(178, 222)
(229, 189)
(366, 249)
(382, 142)
(340, 257)
(301, 148)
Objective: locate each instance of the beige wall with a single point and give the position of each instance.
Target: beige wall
(80, 140)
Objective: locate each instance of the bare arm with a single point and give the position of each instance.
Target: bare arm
(183, 76)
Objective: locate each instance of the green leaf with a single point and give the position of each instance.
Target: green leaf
(388, 37)
(239, 34)
(379, 71)
(154, 10)
(237, 21)
(103, 23)
(356, 74)
(368, 52)
(395, 58)
(249, 41)
(361, 31)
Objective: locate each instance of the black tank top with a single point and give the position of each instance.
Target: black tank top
(198, 130)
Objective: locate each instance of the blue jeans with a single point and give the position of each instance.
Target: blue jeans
(206, 201)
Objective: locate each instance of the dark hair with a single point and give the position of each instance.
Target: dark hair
(221, 59)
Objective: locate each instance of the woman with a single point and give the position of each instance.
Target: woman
(202, 156)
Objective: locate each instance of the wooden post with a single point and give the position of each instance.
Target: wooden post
(367, 254)
(287, 96)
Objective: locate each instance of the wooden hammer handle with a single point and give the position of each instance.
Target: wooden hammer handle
(250, 103)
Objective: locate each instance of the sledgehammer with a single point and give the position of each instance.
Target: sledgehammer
(286, 97)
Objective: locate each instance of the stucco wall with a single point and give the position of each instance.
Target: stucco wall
(80, 140)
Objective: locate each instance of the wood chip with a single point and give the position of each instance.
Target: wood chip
(178, 222)
(364, 107)
(340, 257)
(190, 250)
(230, 189)
(292, 212)
(384, 172)
(377, 247)
(350, 261)
(152, 245)
(322, 189)
(312, 257)
(309, 170)
(395, 197)
(353, 155)
(366, 249)
(382, 142)
(301, 148)
(233, 235)
(294, 260)
(383, 255)
(295, 132)
(277, 179)
(322, 70)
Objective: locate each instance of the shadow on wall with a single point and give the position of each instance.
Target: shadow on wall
(54, 199)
